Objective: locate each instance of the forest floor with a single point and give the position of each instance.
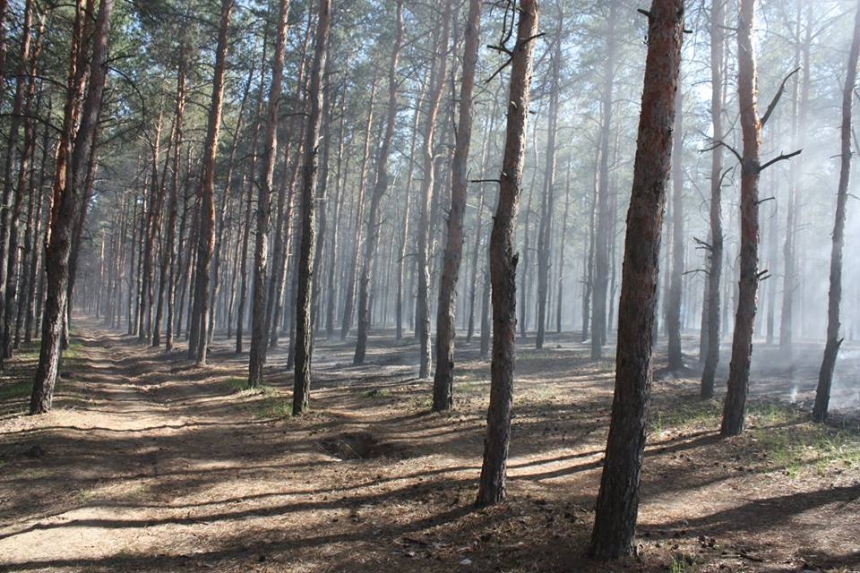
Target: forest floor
(149, 463)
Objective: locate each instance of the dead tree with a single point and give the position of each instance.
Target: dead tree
(618, 500)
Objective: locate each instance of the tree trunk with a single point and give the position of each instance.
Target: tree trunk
(503, 263)
(26, 77)
(547, 205)
(264, 197)
(603, 212)
(561, 261)
(673, 302)
(373, 223)
(443, 384)
(404, 236)
(169, 255)
(206, 238)
(798, 124)
(283, 237)
(249, 179)
(739, 369)
(305, 267)
(477, 255)
(331, 279)
(831, 349)
(349, 302)
(12, 194)
(221, 236)
(437, 82)
(618, 500)
(715, 248)
(69, 186)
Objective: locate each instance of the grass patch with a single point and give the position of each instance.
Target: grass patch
(275, 407)
(35, 473)
(687, 415)
(806, 447)
(83, 496)
(772, 414)
(15, 390)
(74, 351)
(264, 402)
(682, 564)
(236, 384)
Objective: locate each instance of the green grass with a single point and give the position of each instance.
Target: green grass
(35, 473)
(678, 565)
(267, 402)
(83, 496)
(805, 447)
(275, 407)
(74, 351)
(686, 415)
(15, 390)
(236, 385)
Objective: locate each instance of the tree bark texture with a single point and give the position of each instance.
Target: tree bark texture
(715, 248)
(264, 197)
(306, 263)
(503, 263)
(443, 382)
(618, 500)
(68, 192)
(742, 341)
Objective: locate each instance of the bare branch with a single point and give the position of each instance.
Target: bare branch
(727, 146)
(497, 72)
(502, 49)
(776, 98)
(781, 157)
(703, 245)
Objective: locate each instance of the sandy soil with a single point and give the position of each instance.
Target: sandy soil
(151, 464)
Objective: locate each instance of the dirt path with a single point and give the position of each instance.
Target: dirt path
(151, 464)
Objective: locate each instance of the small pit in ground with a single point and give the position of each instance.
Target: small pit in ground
(360, 446)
